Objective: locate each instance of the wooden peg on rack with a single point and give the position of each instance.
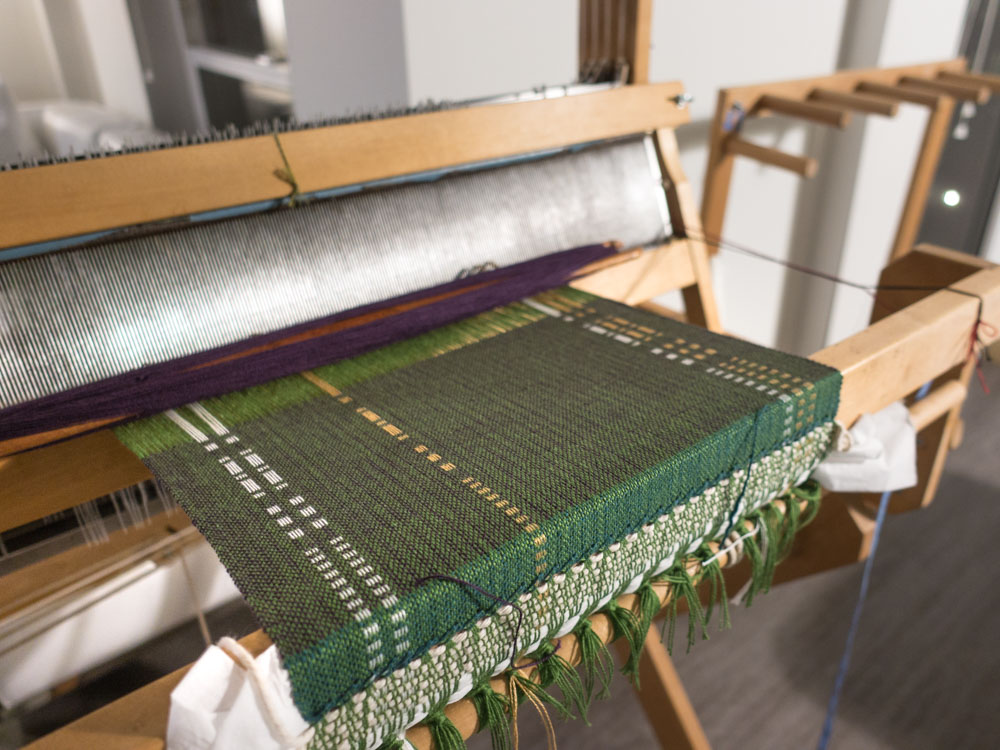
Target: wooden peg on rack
(963, 91)
(903, 94)
(992, 82)
(823, 114)
(800, 165)
(876, 105)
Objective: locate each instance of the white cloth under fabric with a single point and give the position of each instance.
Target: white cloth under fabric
(878, 454)
(218, 704)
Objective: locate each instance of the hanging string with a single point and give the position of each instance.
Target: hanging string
(845, 657)
(286, 173)
(978, 351)
(550, 732)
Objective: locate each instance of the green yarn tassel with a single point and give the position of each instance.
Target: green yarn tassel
(754, 553)
(810, 492)
(684, 587)
(649, 605)
(444, 734)
(626, 625)
(595, 660)
(555, 670)
(717, 597)
(526, 686)
(392, 743)
(491, 709)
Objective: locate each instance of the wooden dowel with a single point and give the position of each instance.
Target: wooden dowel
(963, 91)
(924, 98)
(819, 113)
(992, 82)
(803, 166)
(937, 403)
(875, 105)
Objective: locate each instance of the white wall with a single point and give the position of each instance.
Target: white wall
(713, 45)
(456, 49)
(28, 64)
(84, 49)
(915, 31)
(110, 43)
(345, 56)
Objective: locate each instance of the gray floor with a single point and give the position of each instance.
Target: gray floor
(926, 667)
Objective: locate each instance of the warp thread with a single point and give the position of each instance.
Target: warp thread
(155, 388)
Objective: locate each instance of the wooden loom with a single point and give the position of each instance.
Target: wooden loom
(926, 340)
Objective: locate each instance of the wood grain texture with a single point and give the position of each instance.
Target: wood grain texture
(89, 196)
(366, 151)
(902, 93)
(868, 103)
(901, 352)
(822, 114)
(935, 135)
(136, 722)
(63, 200)
(700, 305)
(92, 563)
(803, 166)
(879, 81)
(991, 81)
(665, 700)
(57, 477)
(962, 91)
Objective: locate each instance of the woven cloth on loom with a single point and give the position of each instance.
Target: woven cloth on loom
(502, 450)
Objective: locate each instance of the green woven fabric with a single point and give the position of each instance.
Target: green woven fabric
(502, 450)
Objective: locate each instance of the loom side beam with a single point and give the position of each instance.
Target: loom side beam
(896, 355)
(65, 200)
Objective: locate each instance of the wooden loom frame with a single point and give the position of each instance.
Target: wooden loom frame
(917, 344)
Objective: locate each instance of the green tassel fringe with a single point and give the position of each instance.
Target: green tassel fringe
(491, 708)
(765, 550)
(444, 734)
(595, 660)
(718, 596)
(555, 670)
(392, 743)
(526, 686)
(627, 625)
(684, 587)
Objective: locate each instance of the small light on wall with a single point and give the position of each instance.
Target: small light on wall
(951, 197)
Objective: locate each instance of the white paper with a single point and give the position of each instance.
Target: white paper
(880, 455)
(217, 706)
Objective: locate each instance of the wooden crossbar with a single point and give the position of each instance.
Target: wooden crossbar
(828, 100)
(65, 200)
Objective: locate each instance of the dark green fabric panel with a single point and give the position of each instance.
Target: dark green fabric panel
(501, 450)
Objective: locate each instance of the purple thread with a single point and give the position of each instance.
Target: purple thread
(154, 388)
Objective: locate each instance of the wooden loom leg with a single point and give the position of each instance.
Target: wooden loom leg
(664, 699)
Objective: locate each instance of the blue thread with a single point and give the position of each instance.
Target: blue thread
(845, 657)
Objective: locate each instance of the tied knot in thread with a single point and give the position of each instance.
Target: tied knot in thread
(444, 733)
(285, 173)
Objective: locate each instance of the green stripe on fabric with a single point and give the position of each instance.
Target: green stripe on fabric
(500, 450)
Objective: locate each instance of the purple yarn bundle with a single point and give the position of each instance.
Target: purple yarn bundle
(154, 388)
